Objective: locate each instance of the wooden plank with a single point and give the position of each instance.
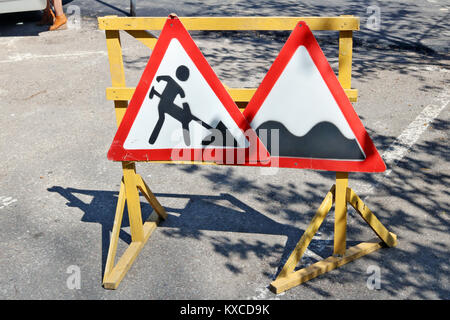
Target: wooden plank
(133, 201)
(389, 238)
(230, 23)
(115, 230)
(309, 233)
(113, 279)
(144, 36)
(345, 58)
(116, 68)
(352, 94)
(238, 94)
(340, 213)
(296, 278)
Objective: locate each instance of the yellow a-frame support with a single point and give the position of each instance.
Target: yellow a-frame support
(130, 186)
(339, 195)
(132, 182)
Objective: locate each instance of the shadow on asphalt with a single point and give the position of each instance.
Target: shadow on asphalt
(225, 212)
(113, 7)
(201, 213)
(410, 267)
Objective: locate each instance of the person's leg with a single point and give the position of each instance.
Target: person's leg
(60, 19)
(48, 16)
(58, 7)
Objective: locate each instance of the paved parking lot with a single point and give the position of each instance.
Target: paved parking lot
(229, 228)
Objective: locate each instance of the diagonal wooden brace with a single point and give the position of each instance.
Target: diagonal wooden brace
(301, 246)
(389, 238)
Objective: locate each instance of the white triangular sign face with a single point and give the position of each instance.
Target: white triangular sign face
(192, 98)
(303, 96)
(181, 107)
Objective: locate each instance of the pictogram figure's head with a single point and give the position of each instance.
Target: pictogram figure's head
(182, 73)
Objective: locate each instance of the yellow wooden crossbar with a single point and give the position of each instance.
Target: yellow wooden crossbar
(340, 23)
(138, 28)
(238, 94)
(294, 279)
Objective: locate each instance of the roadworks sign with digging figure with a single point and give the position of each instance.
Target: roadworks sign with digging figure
(181, 111)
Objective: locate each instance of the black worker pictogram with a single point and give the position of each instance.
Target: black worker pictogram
(182, 114)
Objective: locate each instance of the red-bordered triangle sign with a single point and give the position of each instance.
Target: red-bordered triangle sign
(303, 116)
(181, 111)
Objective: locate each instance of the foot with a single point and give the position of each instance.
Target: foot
(59, 23)
(47, 18)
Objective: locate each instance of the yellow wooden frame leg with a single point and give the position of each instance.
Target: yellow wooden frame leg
(115, 231)
(341, 195)
(309, 233)
(133, 202)
(340, 213)
(131, 184)
(140, 233)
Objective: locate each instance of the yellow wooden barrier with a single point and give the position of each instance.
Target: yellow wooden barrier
(137, 27)
(132, 183)
(341, 23)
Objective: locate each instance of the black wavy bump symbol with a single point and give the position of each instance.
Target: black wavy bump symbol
(323, 141)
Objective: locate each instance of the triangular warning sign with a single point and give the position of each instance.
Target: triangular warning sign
(303, 116)
(181, 111)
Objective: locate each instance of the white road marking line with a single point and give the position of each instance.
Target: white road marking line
(266, 294)
(6, 201)
(30, 56)
(406, 140)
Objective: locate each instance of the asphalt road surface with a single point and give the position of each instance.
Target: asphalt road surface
(229, 228)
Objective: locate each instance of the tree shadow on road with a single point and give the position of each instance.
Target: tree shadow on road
(418, 195)
(405, 41)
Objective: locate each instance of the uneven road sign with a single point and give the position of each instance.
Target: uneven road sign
(302, 99)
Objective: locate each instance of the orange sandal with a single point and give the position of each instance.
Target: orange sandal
(59, 23)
